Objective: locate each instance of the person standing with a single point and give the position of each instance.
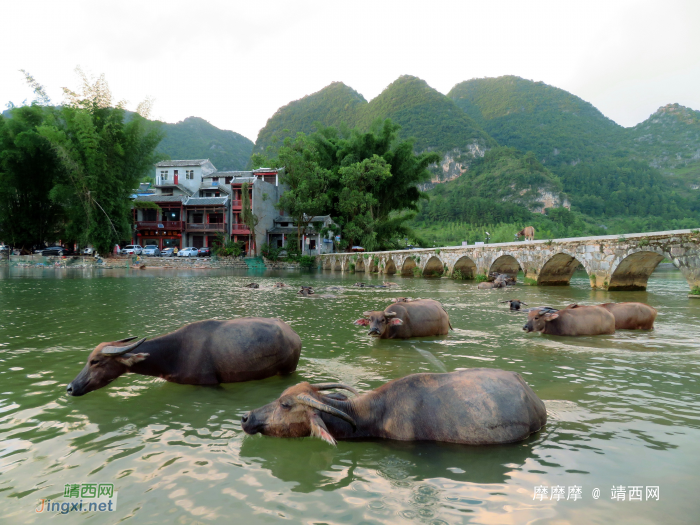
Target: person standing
(116, 249)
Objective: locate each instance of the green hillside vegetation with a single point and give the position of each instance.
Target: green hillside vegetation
(557, 126)
(334, 105)
(195, 138)
(502, 186)
(423, 113)
(669, 140)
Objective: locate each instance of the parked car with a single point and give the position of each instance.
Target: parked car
(204, 252)
(151, 250)
(88, 251)
(132, 249)
(168, 252)
(188, 252)
(53, 251)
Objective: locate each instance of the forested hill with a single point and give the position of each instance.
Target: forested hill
(426, 115)
(669, 140)
(195, 138)
(558, 127)
(334, 105)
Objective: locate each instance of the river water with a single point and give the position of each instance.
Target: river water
(624, 410)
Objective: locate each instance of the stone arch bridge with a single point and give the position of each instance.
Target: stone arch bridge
(612, 262)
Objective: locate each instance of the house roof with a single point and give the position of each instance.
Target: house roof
(180, 163)
(227, 174)
(161, 198)
(180, 187)
(206, 201)
(282, 229)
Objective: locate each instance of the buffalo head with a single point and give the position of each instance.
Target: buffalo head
(297, 413)
(106, 363)
(537, 317)
(378, 322)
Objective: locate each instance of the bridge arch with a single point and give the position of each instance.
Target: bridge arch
(408, 265)
(433, 267)
(559, 269)
(389, 267)
(338, 264)
(466, 266)
(632, 271)
(359, 264)
(505, 264)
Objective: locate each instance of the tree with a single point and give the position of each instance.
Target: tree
(102, 159)
(308, 182)
(28, 171)
(249, 218)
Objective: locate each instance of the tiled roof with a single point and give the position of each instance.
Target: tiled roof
(180, 163)
(206, 201)
(228, 174)
(161, 198)
(282, 229)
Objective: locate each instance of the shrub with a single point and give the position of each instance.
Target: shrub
(417, 272)
(307, 261)
(225, 247)
(270, 252)
(530, 281)
(351, 267)
(695, 290)
(480, 278)
(643, 243)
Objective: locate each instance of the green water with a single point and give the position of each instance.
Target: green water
(623, 409)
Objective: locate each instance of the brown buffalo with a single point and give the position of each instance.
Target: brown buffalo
(479, 406)
(419, 318)
(491, 286)
(201, 353)
(591, 320)
(629, 316)
(252, 285)
(528, 232)
(403, 300)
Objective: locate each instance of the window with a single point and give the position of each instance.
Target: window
(163, 175)
(189, 174)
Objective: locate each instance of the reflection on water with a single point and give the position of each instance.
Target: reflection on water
(623, 409)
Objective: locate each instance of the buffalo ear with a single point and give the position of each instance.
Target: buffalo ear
(362, 322)
(131, 359)
(550, 317)
(319, 429)
(395, 320)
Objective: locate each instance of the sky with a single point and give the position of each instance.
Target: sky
(235, 63)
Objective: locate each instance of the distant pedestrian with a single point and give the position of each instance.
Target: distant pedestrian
(116, 249)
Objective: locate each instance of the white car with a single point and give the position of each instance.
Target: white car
(151, 250)
(88, 251)
(188, 252)
(132, 249)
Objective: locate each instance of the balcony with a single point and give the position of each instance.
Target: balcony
(239, 229)
(236, 204)
(159, 225)
(206, 227)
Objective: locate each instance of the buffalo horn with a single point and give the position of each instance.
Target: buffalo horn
(314, 403)
(328, 386)
(366, 314)
(121, 350)
(389, 314)
(126, 340)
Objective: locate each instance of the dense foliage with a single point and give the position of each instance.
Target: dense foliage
(29, 169)
(367, 182)
(92, 157)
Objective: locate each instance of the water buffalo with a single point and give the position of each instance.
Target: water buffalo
(306, 291)
(591, 320)
(515, 304)
(365, 285)
(201, 353)
(528, 232)
(419, 318)
(479, 406)
(252, 285)
(403, 300)
(629, 316)
(491, 286)
(280, 285)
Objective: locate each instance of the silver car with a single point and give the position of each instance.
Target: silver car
(151, 250)
(188, 252)
(132, 249)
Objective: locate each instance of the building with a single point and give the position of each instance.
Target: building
(313, 243)
(193, 204)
